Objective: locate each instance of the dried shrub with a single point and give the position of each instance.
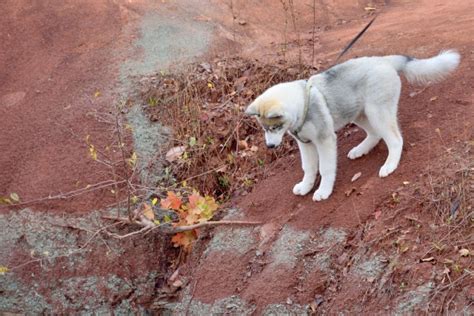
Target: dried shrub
(220, 150)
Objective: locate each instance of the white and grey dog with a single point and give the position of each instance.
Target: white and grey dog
(362, 90)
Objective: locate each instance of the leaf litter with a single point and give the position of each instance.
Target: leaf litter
(215, 148)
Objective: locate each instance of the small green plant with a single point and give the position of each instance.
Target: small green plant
(152, 101)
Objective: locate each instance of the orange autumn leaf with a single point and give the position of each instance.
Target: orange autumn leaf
(148, 211)
(184, 239)
(200, 209)
(172, 201)
(192, 218)
(196, 209)
(194, 199)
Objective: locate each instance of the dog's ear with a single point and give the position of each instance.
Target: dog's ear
(252, 109)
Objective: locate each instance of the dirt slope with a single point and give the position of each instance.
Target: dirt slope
(299, 256)
(52, 65)
(60, 63)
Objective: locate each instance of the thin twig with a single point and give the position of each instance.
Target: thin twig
(181, 229)
(121, 145)
(231, 134)
(450, 285)
(52, 257)
(114, 235)
(71, 194)
(96, 233)
(293, 19)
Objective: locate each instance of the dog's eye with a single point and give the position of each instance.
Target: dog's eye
(275, 127)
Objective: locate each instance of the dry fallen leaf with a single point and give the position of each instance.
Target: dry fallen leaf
(243, 144)
(377, 214)
(433, 99)
(174, 276)
(177, 284)
(222, 169)
(14, 197)
(3, 270)
(404, 248)
(428, 259)
(174, 153)
(349, 192)
(356, 176)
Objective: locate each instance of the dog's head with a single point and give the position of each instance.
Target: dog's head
(274, 110)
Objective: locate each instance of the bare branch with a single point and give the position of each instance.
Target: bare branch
(144, 229)
(166, 228)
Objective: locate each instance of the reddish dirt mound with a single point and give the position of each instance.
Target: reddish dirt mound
(433, 120)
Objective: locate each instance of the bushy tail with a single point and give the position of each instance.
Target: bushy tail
(426, 71)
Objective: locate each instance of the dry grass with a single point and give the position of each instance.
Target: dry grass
(450, 202)
(204, 105)
(436, 225)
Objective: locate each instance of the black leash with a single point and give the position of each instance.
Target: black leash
(355, 39)
(309, 86)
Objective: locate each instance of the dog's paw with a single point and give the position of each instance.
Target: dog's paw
(321, 194)
(386, 170)
(355, 153)
(302, 188)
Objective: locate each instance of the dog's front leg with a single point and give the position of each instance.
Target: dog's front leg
(309, 162)
(327, 149)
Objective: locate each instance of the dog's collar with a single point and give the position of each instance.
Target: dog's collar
(307, 95)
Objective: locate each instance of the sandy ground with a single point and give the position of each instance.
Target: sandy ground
(64, 65)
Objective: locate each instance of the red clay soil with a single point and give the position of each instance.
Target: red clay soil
(432, 120)
(53, 59)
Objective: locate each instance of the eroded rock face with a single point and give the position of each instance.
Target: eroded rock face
(57, 264)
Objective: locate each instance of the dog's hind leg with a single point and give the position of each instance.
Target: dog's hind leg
(368, 143)
(381, 111)
(309, 162)
(385, 124)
